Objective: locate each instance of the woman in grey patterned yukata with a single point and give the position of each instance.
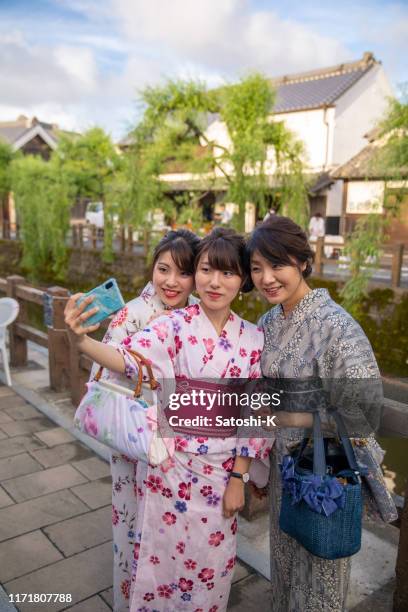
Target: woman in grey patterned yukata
(308, 335)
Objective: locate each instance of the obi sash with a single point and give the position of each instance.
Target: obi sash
(226, 405)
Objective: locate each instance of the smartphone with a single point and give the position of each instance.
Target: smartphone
(107, 297)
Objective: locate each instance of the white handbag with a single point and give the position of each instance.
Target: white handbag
(123, 419)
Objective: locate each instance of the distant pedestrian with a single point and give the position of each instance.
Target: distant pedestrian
(316, 226)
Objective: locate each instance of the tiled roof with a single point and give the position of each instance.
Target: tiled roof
(11, 134)
(369, 164)
(13, 131)
(319, 87)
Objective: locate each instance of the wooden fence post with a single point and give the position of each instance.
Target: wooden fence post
(74, 235)
(18, 345)
(122, 239)
(81, 236)
(78, 376)
(94, 235)
(5, 216)
(130, 238)
(397, 259)
(58, 343)
(401, 570)
(318, 263)
(6, 229)
(145, 241)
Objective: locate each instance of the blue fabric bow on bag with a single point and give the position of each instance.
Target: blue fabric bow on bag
(289, 481)
(322, 494)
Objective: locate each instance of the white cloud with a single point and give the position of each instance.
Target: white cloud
(79, 64)
(87, 68)
(226, 36)
(62, 84)
(33, 74)
(53, 84)
(282, 46)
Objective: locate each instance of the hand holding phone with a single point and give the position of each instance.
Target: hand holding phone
(107, 298)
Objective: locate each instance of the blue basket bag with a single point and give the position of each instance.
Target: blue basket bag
(322, 508)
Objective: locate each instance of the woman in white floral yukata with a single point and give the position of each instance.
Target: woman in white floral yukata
(171, 285)
(186, 520)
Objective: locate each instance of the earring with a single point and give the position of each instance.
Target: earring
(240, 296)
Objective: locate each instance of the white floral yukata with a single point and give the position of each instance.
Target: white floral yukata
(128, 321)
(185, 548)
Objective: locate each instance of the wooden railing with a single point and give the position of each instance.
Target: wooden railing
(139, 240)
(69, 370)
(392, 259)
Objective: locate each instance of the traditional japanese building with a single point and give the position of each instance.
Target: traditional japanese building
(31, 136)
(330, 110)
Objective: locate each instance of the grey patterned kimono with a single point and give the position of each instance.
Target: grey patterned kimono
(317, 339)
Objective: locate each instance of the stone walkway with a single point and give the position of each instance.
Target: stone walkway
(55, 517)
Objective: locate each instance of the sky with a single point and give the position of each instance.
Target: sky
(80, 63)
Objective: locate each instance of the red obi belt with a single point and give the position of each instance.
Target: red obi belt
(202, 408)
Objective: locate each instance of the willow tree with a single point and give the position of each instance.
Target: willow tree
(43, 197)
(261, 154)
(264, 154)
(89, 161)
(94, 169)
(390, 161)
(6, 157)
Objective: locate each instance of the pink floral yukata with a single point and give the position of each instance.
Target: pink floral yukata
(128, 321)
(185, 549)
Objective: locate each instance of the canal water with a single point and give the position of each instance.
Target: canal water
(395, 464)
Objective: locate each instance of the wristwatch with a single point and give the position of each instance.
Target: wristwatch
(244, 477)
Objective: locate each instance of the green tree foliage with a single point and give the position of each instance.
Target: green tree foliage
(246, 109)
(6, 157)
(89, 162)
(175, 124)
(395, 126)
(95, 171)
(390, 163)
(363, 250)
(43, 196)
(82, 167)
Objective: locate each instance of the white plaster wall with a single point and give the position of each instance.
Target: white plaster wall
(335, 200)
(315, 129)
(308, 126)
(357, 112)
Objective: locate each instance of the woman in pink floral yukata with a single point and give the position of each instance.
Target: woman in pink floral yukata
(186, 522)
(171, 285)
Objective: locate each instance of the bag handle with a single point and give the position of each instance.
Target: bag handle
(319, 454)
(141, 361)
(348, 448)
(319, 451)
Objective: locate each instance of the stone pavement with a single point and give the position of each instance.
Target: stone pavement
(55, 517)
